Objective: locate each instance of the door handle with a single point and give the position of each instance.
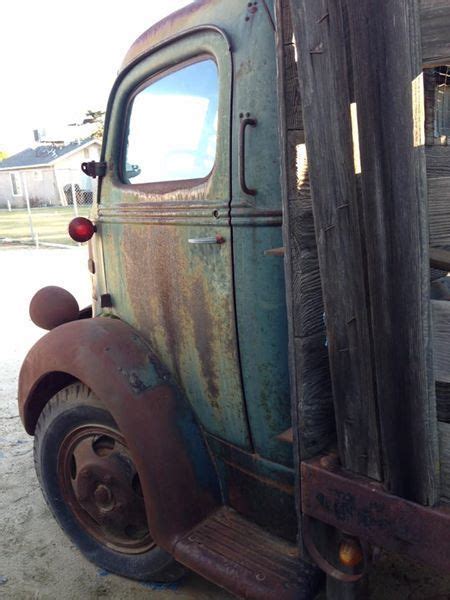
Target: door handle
(218, 239)
(248, 121)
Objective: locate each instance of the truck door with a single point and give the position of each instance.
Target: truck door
(256, 212)
(164, 218)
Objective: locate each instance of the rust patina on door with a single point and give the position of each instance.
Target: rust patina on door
(164, 220)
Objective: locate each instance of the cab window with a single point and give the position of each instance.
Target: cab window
(172, 129)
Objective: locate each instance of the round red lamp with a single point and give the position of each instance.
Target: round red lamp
(81, 229)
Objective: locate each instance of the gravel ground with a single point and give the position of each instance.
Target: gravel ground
(36, 559)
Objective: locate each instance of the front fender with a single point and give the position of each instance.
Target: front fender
(167, 446)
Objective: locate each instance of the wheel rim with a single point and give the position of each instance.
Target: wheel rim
(100, 484)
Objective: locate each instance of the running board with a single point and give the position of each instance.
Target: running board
(246, 560)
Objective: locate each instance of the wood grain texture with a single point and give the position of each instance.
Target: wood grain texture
(444, 447)
(322, 62)
(311, 393)
(443, 401)
(435, 27)
(438, 161)
(311, 397)
(314, 396)
(294, 118)
(306, 282)
(439, 210)
(441, 340)
(387, 64)
(429, 82)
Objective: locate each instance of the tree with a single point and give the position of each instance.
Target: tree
(97, 118)
(3, 155)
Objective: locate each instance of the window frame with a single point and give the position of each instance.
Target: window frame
(169, 185)
(18, 184)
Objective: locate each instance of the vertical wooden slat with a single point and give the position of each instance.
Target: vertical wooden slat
(430, 105)
(311, 397)
(322, 61)
(388, 87)
(435, 24)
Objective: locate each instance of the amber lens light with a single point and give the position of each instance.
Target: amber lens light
(350, 553)
(81, 229)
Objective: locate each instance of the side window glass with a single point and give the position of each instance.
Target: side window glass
(173, 126)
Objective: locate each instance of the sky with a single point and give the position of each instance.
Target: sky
(59, 58)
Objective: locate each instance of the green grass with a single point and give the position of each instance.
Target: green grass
(50, 224)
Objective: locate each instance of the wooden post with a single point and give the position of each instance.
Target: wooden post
(323, 67)
(323, 71)
(369, 194)
(388, 86)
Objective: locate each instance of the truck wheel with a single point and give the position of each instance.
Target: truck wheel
(92, 487)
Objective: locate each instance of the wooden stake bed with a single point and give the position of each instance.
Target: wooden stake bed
(371, 167)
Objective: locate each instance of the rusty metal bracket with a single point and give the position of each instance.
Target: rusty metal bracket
(94, 169)
(363, 508)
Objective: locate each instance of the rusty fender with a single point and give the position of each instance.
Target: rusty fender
(177, 476)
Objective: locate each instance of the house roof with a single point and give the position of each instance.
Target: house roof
(43, 156)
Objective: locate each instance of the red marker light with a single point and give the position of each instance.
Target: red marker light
(81, 229)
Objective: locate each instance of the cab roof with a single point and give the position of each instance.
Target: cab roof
(185, 18)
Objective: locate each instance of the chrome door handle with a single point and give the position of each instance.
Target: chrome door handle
(218, 239)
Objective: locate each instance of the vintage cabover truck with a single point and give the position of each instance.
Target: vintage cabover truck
(262, 390)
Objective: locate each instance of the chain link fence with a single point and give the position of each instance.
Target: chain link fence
(41, 213)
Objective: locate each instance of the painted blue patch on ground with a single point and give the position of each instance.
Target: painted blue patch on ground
(3, 580)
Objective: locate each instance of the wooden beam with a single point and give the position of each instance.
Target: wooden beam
(435, 27)
(438, 162)
(441, 340)
(387, 63)
(322, 62)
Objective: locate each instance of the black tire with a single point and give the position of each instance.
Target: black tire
(67, 412)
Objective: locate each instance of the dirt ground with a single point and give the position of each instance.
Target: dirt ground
(36, 559)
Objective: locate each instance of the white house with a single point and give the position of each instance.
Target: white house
(46, 173)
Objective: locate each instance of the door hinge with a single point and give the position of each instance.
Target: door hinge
(94, 169)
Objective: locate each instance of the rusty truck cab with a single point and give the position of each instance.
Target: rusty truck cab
(187, 348)
(253, 395)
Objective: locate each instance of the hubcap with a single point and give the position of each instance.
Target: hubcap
(100, 484)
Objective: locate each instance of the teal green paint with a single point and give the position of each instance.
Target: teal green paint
(259, 279)
(158, 281)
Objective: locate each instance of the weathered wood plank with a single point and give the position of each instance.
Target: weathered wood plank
(314, 396)
(311, 397)
(294, 118)
(441, 340)
(285, 21)
(429, 83)
(439, 210)
(438, 162)
(435, 28)
(443, 401)
(444, 448)
(387, 66)
(322, 61)
(306, 283)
